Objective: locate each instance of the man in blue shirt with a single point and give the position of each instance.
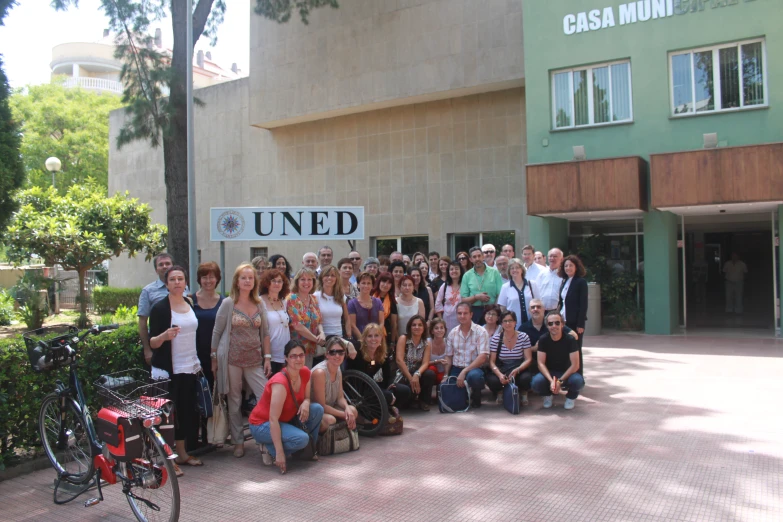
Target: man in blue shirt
(151, 294)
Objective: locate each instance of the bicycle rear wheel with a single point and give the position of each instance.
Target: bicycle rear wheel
(365, 394)
(65, 439)
(152, 488)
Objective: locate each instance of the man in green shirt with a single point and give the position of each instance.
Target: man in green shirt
(480, 285)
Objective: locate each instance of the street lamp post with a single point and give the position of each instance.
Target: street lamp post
(53, 165)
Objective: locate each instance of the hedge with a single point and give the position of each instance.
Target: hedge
(106, 299)
(21, 390)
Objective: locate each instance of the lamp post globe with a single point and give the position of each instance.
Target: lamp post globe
(53, 165)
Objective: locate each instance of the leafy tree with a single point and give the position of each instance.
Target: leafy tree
(81, 230)
(146, 72)
(71, 124)
(11, 171)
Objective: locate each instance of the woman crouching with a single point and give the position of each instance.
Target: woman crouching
(327, 386)
(284, 421)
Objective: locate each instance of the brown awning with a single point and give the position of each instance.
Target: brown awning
(727, 175)
(573, 187)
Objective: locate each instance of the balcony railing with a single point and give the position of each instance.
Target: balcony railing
(98, 84)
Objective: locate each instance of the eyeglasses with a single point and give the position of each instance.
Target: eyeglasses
(276, 282)
(355, 258)
(508, 321)
(296, 356)
(553, 323)
(533, 307)
(336, 352)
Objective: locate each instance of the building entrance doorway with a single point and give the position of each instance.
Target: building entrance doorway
(712, 300)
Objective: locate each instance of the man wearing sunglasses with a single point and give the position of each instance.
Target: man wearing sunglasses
(558, 364)
(356, 262)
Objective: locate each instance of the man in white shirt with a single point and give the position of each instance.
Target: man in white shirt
(508, 251)
(734, 271)
(532, 269)
(501, 264)
(467, 349)
(310, 260)
(549, 282)
(540, 260)
(434, 259)
(325, 256)
(489, 254)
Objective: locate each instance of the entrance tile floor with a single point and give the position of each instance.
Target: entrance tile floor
(667, 428)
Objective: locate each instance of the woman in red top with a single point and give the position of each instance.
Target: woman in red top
(280, 422)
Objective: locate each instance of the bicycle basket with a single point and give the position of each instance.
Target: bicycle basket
(132, 392)
(56, 339)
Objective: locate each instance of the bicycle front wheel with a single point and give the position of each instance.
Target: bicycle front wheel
(151, 487)
(65, 438)
(365, 394)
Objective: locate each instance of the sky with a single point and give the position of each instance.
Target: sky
(33, 28)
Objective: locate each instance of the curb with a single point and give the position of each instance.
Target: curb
(24, 468)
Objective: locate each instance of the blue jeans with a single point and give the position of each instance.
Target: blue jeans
(474, 379)
(575, 383)
(294, 439)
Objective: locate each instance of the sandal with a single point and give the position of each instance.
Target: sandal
(190, 461)
(423, 406)
(177, 470)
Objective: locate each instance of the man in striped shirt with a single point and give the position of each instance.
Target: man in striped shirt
(467, 349)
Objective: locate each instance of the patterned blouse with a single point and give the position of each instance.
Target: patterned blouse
(307, 315)
(245, 347)
(414, 354)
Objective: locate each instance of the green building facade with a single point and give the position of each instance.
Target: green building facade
(694, 88)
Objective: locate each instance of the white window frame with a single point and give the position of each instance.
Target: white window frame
(715, 49)
(590, 109)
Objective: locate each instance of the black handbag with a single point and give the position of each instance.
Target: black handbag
(309, 452)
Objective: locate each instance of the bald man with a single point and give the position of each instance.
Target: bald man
(310, 260)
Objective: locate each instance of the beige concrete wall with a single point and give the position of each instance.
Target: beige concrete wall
(436, 168)
(369, 54)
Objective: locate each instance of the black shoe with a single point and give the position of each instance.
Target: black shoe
(475, 402)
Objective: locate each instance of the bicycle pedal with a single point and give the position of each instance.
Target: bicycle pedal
(91, 502)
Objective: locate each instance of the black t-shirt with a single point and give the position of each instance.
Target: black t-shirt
(535, 334)
(557, 352)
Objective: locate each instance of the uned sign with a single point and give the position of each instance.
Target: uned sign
(286, 223)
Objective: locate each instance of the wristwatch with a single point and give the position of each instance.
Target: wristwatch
(213, 355)
(417, 373)
(267, 356)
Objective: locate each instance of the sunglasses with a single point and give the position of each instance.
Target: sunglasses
(296, 356)
(462, 259)
(336, 352)
(554, 323)
(489, 252)
(355, 258)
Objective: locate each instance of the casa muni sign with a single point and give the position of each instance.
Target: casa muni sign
(640, 11)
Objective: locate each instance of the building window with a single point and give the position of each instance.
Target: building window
(259, 251)
(464, 242)
(595, 95)
(405, 244)
(718, 78)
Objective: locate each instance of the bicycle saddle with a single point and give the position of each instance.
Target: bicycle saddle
(107, 381)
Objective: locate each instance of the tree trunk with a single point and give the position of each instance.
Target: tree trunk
(175, 143)
(82, 322)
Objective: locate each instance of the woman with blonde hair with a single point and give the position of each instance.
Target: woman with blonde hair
(373, 356)
(241, 347)
(333, 306)
(305, 313)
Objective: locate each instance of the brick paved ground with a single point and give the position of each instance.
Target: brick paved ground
(667, 429)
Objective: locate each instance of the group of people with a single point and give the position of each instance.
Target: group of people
(408, 321)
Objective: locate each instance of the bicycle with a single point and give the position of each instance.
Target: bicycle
(365, 394)
(133, 440)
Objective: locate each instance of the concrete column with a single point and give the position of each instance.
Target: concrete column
(546, 233)
(661, 277)
(75, 70)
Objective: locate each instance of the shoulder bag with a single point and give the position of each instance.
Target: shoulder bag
(217, 425)
(203, 395)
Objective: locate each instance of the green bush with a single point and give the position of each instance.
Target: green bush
(107, 299)
(123, 315)
(21, 390)
(6, 308)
